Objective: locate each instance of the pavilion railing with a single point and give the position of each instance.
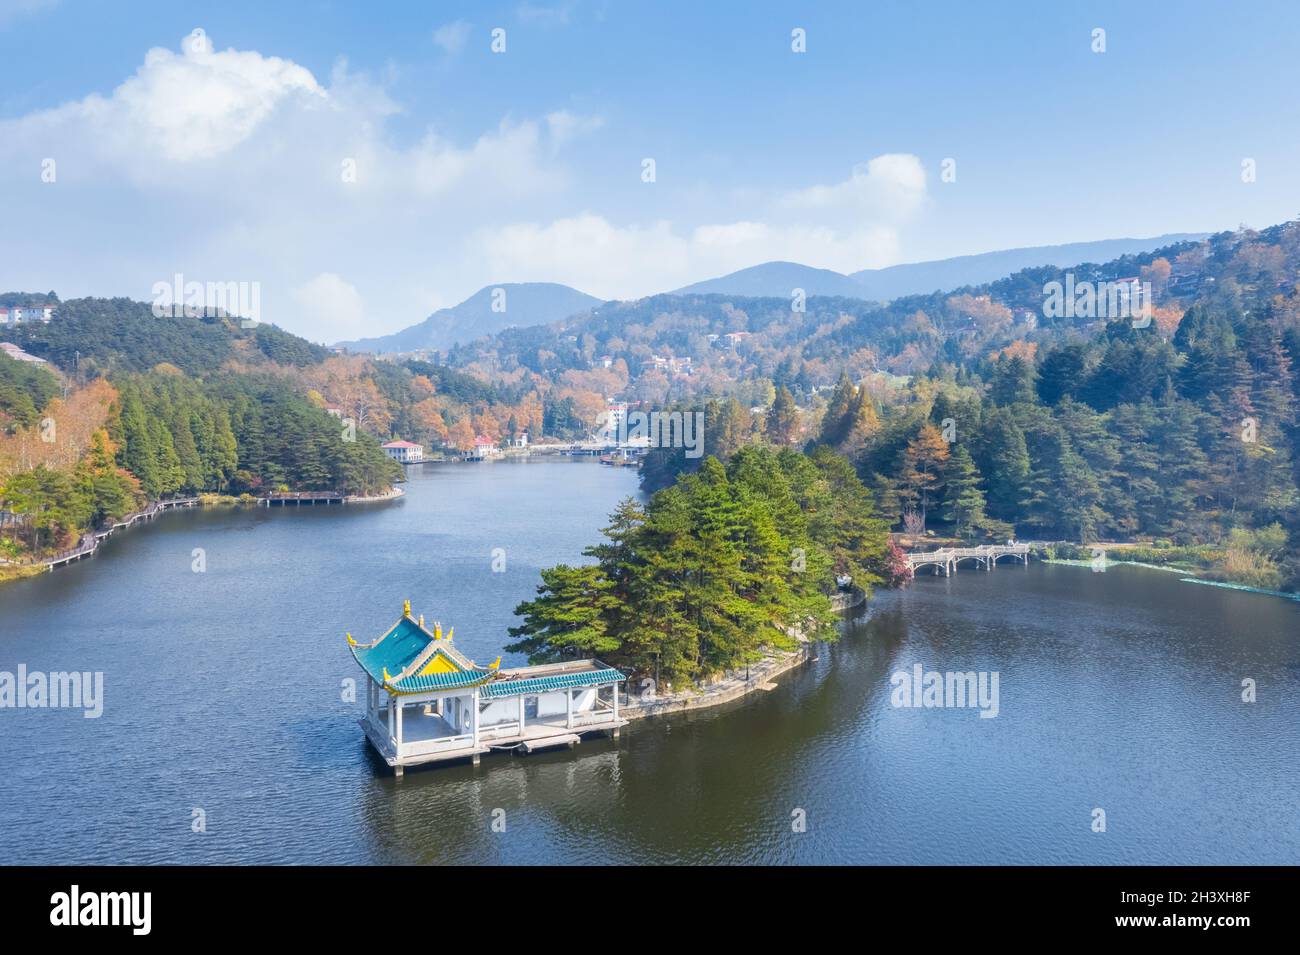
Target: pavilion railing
(508, 728)
(594, 716)
(426, 746)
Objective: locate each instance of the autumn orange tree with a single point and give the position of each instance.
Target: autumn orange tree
(920, 476)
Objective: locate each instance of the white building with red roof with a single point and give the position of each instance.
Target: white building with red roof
(404, 452)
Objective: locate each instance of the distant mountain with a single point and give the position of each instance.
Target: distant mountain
(944, 275)
(528, 303)
(777, 279)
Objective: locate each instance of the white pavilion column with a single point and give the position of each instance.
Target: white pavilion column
(616, 701)
(521, 712)
(392, 727)
(399, 725)
(473, 716)
(568, 708)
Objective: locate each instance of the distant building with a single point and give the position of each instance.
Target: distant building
(606, 361)
(404, 452)
(520, 440)
(334, 412)
(16, 353)
(484, 448)
(17, 314)
(675, 366)
(613, 422)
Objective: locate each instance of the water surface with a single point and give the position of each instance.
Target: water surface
(1118, 690)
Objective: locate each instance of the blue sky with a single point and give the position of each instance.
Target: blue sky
(222, 160)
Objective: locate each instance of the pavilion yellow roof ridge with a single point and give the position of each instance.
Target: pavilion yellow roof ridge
(422, 666)
(437, 643)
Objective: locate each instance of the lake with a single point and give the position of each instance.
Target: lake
(1119, 691)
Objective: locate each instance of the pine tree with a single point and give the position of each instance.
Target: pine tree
(837, 419)
(1003, 459)
(782, 425)
(963, 502)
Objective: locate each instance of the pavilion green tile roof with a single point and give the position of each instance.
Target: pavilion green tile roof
(438, 681)
(394, 651)
(396, 659)
(548, 684)
(408, 646)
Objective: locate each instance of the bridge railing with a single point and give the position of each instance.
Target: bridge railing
(945, 555)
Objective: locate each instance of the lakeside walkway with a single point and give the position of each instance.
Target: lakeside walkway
(88, 546)
(90, 542)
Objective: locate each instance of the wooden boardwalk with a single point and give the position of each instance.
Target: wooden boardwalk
(90, 542)
(301, 498)
(945, 560)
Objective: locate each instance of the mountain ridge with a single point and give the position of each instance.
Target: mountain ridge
(491, 309)
(546, 302)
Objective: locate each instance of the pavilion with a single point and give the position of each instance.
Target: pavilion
(428, 702)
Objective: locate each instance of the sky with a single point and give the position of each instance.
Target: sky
(368, 163)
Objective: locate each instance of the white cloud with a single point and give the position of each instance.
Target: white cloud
(845, 226)
(186, 106)
(590, 253)
(564, 126)
(236, 166)
(334, 305)
(892, 186)
(11, 10)
(452, 36)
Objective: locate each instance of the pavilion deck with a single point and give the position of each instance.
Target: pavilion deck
(428, 738)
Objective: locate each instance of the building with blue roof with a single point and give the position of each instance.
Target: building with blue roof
(427, 702)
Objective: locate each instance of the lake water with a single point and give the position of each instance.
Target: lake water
(1118, 691)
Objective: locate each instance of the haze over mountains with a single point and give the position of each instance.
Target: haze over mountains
(540, 303)
(522, 303)
(920, 278)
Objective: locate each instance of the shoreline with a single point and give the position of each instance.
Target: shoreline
(729, 689)
(391, 494)
(1172, 569)
(726, 690)
(1244, 588)
(24, 570)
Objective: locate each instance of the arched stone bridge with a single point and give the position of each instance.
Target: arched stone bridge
(945, 560)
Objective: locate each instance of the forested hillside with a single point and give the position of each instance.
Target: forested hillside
(716, 570)
(806, 345)
(979, 413)
(203, 404)
(25, 388)
(1180, 431)
(133, 407)
(984, 412)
